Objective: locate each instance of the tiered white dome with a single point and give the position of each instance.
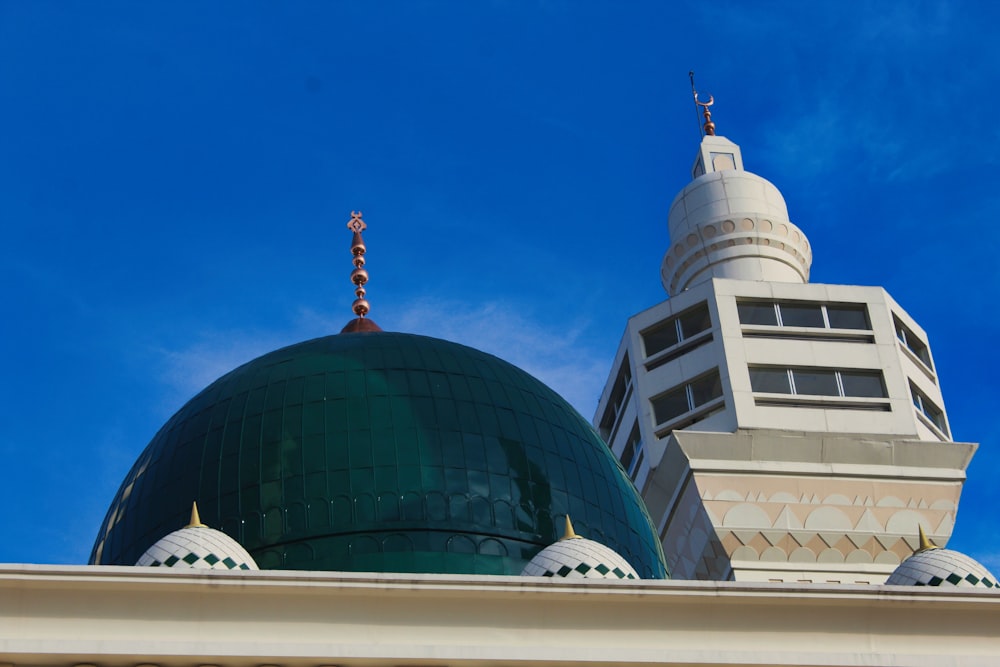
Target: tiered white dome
(199, 547)
(574, 557)
(933, 566)
(730, 223)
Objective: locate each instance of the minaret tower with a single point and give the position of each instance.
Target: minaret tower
(729, 223)
(777, 429)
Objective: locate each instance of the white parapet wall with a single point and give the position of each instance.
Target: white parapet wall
(62, 616)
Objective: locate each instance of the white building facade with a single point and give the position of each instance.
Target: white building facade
(778, 430)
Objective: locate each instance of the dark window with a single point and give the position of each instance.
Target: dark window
(676, 330)
(687, 397)
(705, 389)
(848, 317)
(694, 321)
(801, 315)
(660, 338)
(818, 382)
(757, 313)
(810, 315)
(616, 400)
(912, 342)
(815, 382)
(632, 454)
(628, 453)
(671, 404)
(866, 384)
(770, 380)
(928, 409)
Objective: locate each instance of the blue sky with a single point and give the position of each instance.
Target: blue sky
(175, 181)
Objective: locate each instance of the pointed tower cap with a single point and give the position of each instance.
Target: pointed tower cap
(568, 532)
(925, 543)
(195, 519)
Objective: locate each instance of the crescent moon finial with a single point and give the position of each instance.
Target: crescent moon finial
(709, 126)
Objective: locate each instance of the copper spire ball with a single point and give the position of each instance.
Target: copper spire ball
(359, 276)
(709, 126)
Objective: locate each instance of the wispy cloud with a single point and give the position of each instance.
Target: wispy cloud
(187, 370)
(554, 353)
(883, 103)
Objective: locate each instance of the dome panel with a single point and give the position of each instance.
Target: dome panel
(369, 452)
(579, 558)
(199, 548)
(941, 567)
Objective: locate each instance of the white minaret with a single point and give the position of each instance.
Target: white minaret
(729, 223)
(777, 429)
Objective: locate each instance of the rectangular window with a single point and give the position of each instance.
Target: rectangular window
(671, 404)
(752, 312)
(804, 314)
(687, 397)
(817, 382)
(801, 315)
(616, 400)
(912, 342)
(928, 409)
(676, 330)
(865, 384)
(632, 454)
(848, 317)
(706, 388)
(771, 380)
(628, 453)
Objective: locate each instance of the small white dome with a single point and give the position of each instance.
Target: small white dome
(574, 557)
(941, 567)
(199, 547)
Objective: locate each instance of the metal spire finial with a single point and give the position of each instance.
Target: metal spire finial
(195, 519)
(709, 127)
(358, 276)
(568, 532)
(925, 542)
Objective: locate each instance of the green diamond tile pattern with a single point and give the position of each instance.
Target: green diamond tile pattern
(198, 548)
(380, 452)
(579, 559)
(941, 567)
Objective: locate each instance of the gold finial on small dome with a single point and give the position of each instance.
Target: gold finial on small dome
(568, 533)
(195, 519)
(925, 543)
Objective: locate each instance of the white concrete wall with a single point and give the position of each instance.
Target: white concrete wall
(124, 617)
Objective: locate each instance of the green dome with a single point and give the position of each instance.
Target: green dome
(380, 452)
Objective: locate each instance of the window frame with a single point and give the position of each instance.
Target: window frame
(916, 347)
(779, 329)
(681, 336)
(635, 447)
(692, 407)
(613, 411)
(927, 410)
(840, 400)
